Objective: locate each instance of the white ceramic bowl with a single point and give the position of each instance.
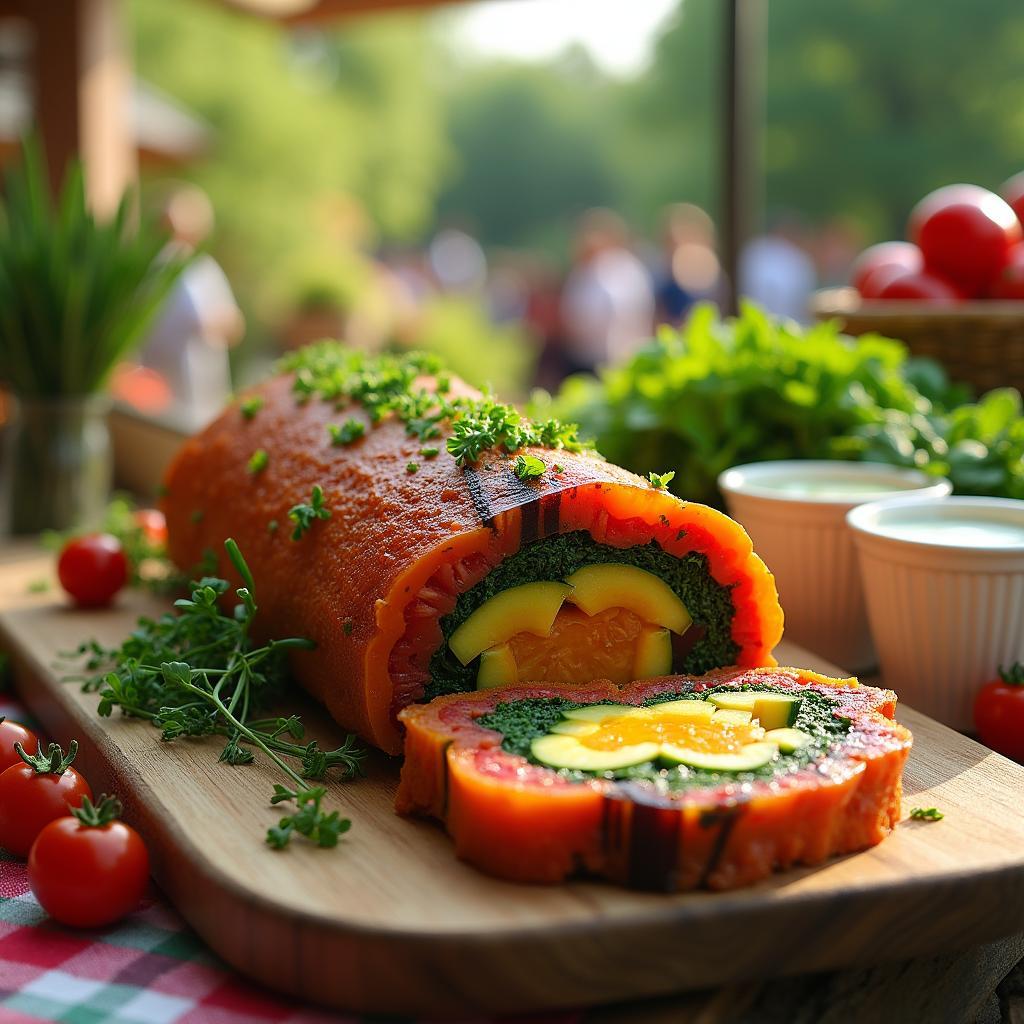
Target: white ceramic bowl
(795, 513)
(945, 593)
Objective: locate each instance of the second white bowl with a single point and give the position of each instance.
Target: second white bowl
(944, 582)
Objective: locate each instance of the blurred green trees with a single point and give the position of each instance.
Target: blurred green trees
(870, 104)
(533, 149)
(377, 128)
(319, 140)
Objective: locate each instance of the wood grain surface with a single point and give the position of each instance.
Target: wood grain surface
(391, 922)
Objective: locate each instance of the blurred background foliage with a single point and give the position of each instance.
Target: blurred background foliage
(376, 132)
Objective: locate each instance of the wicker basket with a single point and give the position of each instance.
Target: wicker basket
(979, 343)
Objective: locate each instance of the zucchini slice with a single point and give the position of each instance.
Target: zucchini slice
(773, 710)
(497, 668)
(699, 709)
(567, 752)
(753, 755)
(597, 588)
(529, 608)
(599, 712)
(788, 740)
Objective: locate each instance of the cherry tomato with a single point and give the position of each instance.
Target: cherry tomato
(11, 733)
(1010, 283)
(999, 713)
(153, 524)
(92, 569)
(880, 263)
(89, 869)
(33, 795)
(1013, 192)
(965, 233)
(924, 286)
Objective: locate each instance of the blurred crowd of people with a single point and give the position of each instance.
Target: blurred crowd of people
(609, 298)
(619, 287)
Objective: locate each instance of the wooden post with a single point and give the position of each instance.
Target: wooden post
(743, 39)
(82, 93)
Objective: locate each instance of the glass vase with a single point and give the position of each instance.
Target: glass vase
(57, 464)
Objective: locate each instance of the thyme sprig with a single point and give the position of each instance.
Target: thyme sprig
(197, 672)
(414, 389)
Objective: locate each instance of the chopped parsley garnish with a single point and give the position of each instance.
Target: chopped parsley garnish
(926, 814)
(250, 406)
(521, 722)
(660, 481)
(258, 461)
(528, 467)
(349, 431)
(414, 389)
(305, 514)
(429, 452)
(197, 515)
(412, 467)
(558, 467)
(272, 526)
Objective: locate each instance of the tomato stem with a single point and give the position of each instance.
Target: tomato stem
(1014, 675)
(105, 811)
(53, 762)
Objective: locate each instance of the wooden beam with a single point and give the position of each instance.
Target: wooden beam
(81, 91)
(744, 27)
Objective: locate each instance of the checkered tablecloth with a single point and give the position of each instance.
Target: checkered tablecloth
(148, 969)
(151, 968)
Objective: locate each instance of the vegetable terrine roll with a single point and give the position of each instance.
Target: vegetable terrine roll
(670, 784)
(431, 541)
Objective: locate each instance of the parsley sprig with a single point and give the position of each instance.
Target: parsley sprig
(197, 672)
(414, 389)
(305, 514)
(529, 467)
(346, 433)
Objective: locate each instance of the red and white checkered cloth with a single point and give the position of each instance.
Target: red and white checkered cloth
(148, 969)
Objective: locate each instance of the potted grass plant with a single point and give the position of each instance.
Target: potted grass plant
(76, 293)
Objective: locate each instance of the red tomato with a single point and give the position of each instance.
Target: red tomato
(92, 569)
(11, 733)
(924, 286)
(89, 870)
(153, 525)
(1013, 192)
(1010, 283)
(879, 263)
(32, 796)
(999, 713)
(965, 233)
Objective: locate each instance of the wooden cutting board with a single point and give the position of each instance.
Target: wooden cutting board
(391, 922)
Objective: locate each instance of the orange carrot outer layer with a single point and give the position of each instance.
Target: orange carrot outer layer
(527, 823)
(349, 583)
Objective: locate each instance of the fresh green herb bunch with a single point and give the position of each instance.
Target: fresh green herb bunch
(75, 291)
(198, 672)
(718, 393)
(414, 389)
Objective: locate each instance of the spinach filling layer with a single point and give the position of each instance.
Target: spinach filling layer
(521, 722)
(709, 603)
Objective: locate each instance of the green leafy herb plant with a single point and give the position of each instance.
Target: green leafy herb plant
(76, 290)
(198, 672)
